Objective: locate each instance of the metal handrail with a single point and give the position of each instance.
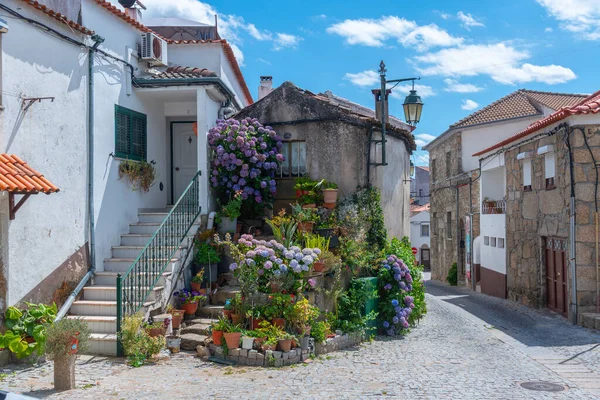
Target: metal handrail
(134, 286)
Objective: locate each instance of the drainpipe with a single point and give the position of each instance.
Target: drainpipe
(458, 263)
(92, 234)
(572, 232)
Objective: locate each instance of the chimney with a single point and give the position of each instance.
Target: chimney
(266, 86)
(131, 10)
(377, 94)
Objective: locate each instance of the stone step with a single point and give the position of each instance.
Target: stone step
(98, 308)
(224, 293)
(144, 227)
(591, 320)
(123, 264)
(103, 344)
(198, 329)
(152, 217)
(211, 311)
(109, 293)
(98, 324)
(109, 278)
(132, 251)
(190, 341)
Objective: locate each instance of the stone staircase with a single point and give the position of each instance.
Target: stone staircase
(98, 305)
(590, 320)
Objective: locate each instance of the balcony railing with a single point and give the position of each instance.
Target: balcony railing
(493, 207)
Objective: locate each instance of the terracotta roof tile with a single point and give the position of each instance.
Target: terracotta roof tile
(417, 208)
(518, 104)
(58, 16)
(178, 72)
(587, 105)
(17, 176)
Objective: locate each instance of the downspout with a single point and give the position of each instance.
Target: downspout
(457, 233)
(572, 232)
(92, 234)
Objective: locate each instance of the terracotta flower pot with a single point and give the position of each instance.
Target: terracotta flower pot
(260, 340)
(227, 314)
(266, 347)
(311, 205)
(329, 206)
(318, 266)
(202, 291)
(305, 331)
(236, 319)
(330, 195)
(216, 337)
(298, 193)
(255, 324)
(154, 332)
(232, 339)
(190, 308)
(285, 345)
(305, 227)
(176, 318)
(280, 322)
(196, 287)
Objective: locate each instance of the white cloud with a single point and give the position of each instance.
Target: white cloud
(548, 30)
(319, 17)
(285, 40)
(364, 78)
(444, 15)
(400, 92)
(581, 17)
(457, 87)
(256, 34)
(375, 32)
(423, 139)
(262, 60)
(468, 21)
(469, 105)
(502, 62)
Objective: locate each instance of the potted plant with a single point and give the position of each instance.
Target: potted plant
(229, 214)
(303, 315)
(156, 328)
(269, 334)
(227, 309)
(237, 309)
(330, 193)
(197, 281)
(232, 334)
(176, 316)
(278, 308)
(306, 218)
(309, 200)
(317, 242)
(255, 316)
(329, 260)
(247, 342)
(207, 258)
(284, 342)
(189, 300)
(217, 329)
(64, 340)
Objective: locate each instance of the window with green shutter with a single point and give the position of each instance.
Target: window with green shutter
(130, 134)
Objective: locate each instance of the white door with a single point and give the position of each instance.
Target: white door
(185, 157)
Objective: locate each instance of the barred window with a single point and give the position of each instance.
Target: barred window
(130, 134)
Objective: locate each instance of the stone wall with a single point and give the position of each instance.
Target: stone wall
(446, 250)
(534, 215)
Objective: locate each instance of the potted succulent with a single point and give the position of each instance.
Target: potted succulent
(207, 258)
(189, 300)
(330, 193)
(232, 334)
(64, 340)
(176, 316)
(197, 281)
(284, 342)
(229, 214)
(217, 329)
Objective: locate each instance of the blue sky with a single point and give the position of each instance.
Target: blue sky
(468, 53)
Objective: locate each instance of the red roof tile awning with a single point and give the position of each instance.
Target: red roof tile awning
(19, 178)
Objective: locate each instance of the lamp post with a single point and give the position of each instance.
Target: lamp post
(413, 106)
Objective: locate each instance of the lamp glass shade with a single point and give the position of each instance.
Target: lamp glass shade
(412, 168)
(413, 106)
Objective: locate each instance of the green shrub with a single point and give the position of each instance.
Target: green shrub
(137, 344)
(26, 329)
(60, 334)
(452, 277)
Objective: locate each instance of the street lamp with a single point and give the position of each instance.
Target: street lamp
(413, 106)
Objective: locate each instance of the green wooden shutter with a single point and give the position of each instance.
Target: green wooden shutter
(130, 134)
(122, 122)
(138, 137)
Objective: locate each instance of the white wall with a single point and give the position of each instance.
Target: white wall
(416, 240)
(493, 258)
(493, 184)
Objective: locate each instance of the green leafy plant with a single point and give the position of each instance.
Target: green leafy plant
(316, 242)
(452, 277)
(311, 198)
(222, 324)
(320, 330)
(269, 331)
(329, 185)
(26, 329)
(141, 174)
(351, 313)
(199, 277)
(237, 304)
(284, 232)
(137, 344)
(303, 315)
(278, 306)
(304, 214)
(206, 254)
(233, 208)
(60, 337)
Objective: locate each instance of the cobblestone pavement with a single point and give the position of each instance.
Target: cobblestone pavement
(469, 346)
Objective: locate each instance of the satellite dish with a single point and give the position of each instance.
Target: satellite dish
(127, 3)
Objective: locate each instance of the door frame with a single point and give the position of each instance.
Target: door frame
(421, 256)
(171, 177)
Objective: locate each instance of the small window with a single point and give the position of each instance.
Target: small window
(448, 164)
(424, 230)
(550, 170)
(130, 134)
(486, 240)
(500, 243)
(527, 174)
(493, 242)
(449, 225)
(295, 160)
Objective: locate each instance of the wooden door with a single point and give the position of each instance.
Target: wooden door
(425, 258)
(556, 275)
(185, 157)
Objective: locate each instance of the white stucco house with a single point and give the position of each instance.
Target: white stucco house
(84, 85)
(420, 233)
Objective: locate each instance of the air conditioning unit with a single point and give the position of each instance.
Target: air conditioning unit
(154, 49)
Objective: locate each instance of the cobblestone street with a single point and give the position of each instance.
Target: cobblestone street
(469, 346)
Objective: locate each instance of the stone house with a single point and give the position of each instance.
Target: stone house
(327, 137)
(419, 185)
(548, 172)
(84, 87)
(455, 173)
